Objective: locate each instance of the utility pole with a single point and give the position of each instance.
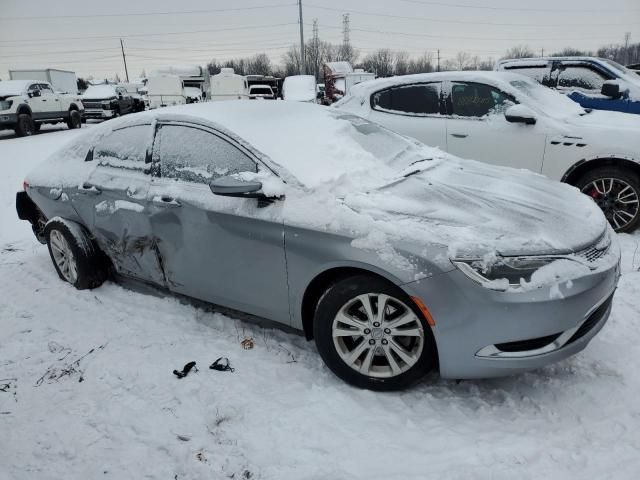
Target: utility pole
(302, 65)
(346, 41)
(316, 48)
(438, 60)
(542, 52)
(124, 59)
(627, 37)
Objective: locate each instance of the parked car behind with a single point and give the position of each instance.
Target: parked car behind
(107, 101)
(397, 258)
(592, 82)
(165, 90)
(300, 88)
(508, 119)
(261, 92)
(25, 105)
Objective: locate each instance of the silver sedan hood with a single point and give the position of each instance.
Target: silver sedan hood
(479, 209)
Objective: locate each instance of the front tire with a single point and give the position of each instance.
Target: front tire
(74, 254)
(616, 190)
(371, 334)
(74, 120)
(25, 126)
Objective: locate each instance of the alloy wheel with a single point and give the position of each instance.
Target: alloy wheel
(378, 335)
(63, 256)
(617, 199)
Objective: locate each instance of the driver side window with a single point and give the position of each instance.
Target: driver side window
(194, 155)
(477, 99)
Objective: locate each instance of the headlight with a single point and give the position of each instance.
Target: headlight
(6, 104)
(503, 272)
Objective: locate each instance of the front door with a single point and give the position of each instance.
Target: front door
(113, 201)
(50, 102)
(224, 250)
(478, 130)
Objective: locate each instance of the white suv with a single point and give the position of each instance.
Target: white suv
(508, 119)
(27, 104)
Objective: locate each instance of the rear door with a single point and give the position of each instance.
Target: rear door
(414, 110)
(224, 250)
(478, 130)
(113, 202)
(50, 101)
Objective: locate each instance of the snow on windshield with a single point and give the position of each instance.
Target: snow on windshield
(546, 100)
(13, 87)
(100, 91)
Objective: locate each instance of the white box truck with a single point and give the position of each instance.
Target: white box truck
(164, 90)
(228, 86)
(63, 81)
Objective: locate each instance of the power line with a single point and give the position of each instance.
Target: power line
(132, 35)
(519, 9)
(464, 22)
(180, 12)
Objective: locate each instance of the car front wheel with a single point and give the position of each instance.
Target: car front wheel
(25, 126)
(371, 334)
(74, 254)
(616, 191)
(74, 120)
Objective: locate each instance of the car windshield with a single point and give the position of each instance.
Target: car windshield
(100, 91)
(547, 101)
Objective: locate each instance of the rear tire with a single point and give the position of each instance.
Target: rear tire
(74, 120)
(378, 355)
(616, 190)
(25, 126)
(74, 254)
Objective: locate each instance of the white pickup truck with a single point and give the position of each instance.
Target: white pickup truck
(27, 104)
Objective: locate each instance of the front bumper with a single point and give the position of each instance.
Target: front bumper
(8, 120)
(98, 114)
(482, 333)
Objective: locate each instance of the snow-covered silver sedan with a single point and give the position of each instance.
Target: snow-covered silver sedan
(398, 259)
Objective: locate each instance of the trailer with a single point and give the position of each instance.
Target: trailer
(227, 85)
(63, 81)
(165, 90)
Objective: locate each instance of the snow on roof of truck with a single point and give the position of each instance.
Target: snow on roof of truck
(16, 87)
(100, 91)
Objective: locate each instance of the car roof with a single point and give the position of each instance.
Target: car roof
(15, 85)
(368, 87)
(540, 60)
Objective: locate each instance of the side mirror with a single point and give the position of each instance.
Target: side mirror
(520, 114)
(236, 187)
(611, 89)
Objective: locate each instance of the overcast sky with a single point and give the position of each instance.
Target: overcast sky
(83, 35)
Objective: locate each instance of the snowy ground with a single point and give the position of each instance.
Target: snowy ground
(120, 413)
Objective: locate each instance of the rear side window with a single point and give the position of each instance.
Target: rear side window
(540, 73)
(477, 99)
(194, 155)
(420, 99)
(580, 77)
(125, 147)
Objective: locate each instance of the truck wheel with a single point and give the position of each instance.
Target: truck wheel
(74, 120)
(25, 125)
(616, 190)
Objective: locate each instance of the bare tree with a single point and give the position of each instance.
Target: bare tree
(422, 64)
(462, 60)
(259, 64)
(379, 62)
(519, 51)
(401, 63)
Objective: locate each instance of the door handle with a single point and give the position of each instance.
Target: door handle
(88, 189)
(460, 135)
(166, 201)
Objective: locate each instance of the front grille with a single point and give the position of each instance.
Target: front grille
(525, 345)
(593, 320)
(97, 105)
(594, 252)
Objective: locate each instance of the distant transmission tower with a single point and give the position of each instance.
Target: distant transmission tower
(346, 43)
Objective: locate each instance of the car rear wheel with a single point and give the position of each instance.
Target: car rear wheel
(74, 120)
(74, 255)
(371, 334)
(25, 125)
(617, 192)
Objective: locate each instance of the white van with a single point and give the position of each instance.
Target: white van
(228, 86)
(300, 88)
(165, 90)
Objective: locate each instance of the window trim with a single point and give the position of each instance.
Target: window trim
(156, 163)
(449, 100)
(441, 106)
